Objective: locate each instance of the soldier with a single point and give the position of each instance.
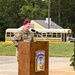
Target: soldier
(23, 35)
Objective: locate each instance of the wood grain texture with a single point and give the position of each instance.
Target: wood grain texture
(26, 63)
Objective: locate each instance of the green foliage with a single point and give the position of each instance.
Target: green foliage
(72, 60)
(6, 48)
(13, 12)
(6, 43)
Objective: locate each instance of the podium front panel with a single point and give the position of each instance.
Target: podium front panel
(33, 58)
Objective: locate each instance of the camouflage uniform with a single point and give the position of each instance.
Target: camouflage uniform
(22, 36)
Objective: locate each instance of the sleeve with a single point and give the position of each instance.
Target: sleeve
(16, 38)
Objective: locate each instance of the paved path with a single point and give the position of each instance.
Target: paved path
(9, 65)
(57, 62)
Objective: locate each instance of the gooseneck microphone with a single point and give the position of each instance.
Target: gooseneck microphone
(33, 30)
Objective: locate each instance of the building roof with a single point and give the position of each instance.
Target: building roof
(44, 24)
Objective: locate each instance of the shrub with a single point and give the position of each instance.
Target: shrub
(72, 61)
(5, 43)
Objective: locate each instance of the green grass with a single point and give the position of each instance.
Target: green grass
(7, 50)
(55, 50)
(61, 49)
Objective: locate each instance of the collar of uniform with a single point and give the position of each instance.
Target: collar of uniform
(25, 31)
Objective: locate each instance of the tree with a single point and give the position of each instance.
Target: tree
(13, 12)
(59, 17)
(9, 16)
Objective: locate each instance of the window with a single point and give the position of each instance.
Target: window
(12, 34)
(44, 34)
(32, 25)
(49, 34)
(54, 34)
(58, 35)
(39, 35)
(35, 35)
(8, 34)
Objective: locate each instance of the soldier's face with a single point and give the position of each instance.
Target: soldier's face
(27, 27)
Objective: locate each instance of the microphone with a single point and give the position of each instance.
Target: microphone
(33, 30)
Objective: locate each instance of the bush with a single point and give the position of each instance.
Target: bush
(5, 43)
(72, 61)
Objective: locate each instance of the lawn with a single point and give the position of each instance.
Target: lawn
(55, 50)
(61, 49)
(7, 50)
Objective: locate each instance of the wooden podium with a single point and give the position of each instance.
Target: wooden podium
(33, 58)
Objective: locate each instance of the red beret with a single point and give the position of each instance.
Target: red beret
(26, 21)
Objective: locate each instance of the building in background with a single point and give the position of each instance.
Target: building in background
(55, 34)
(43, 24)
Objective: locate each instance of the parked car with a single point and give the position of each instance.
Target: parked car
(71, 39)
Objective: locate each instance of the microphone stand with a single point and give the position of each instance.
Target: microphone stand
(33, 30)
(41, 36)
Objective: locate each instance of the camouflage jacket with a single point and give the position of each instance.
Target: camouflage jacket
(22, 36)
